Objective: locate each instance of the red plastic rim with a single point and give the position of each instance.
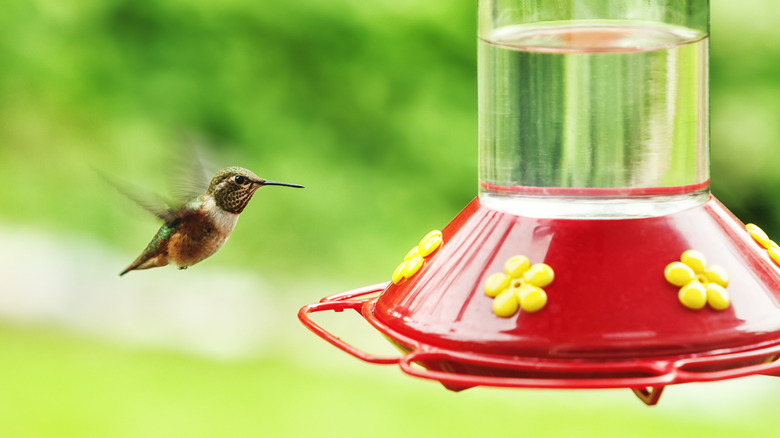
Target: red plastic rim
(459, 370)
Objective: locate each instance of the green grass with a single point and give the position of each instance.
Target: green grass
(57, 385)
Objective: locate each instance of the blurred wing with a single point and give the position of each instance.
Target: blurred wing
(151, 201)
(191, 173)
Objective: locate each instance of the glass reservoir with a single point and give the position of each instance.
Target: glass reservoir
(590, 117)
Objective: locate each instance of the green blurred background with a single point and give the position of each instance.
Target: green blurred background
(369, 104)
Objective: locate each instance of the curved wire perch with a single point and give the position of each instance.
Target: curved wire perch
(459, 370)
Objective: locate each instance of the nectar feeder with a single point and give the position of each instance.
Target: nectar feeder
(595, 255)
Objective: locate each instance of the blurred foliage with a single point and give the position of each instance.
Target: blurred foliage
(745, 109)
(371, 105)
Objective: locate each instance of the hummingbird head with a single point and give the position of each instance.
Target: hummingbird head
(233, 187)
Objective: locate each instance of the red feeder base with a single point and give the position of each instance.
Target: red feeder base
(612, 319)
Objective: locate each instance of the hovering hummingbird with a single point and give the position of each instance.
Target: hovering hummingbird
(199, 227)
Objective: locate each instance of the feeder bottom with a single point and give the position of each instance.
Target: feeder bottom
(613, 319)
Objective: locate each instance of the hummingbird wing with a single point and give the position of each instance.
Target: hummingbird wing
(189, 178)
(154, 203)
(191, 171)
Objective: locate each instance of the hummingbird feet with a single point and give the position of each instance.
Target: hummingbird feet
(181, 268)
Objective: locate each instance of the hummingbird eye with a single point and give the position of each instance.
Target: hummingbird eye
(239, 179)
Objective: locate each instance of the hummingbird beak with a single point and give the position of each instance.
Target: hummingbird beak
(277, 183)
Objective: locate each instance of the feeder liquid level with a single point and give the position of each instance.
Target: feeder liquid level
(593, 118)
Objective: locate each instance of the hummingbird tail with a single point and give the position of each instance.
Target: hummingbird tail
(133, 266)
(146, 263)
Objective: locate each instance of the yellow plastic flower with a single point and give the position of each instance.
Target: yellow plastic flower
(415, 258)
(699, 285)
(519, 286)
(762, 239)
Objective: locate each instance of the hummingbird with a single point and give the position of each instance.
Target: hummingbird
(198, 228)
